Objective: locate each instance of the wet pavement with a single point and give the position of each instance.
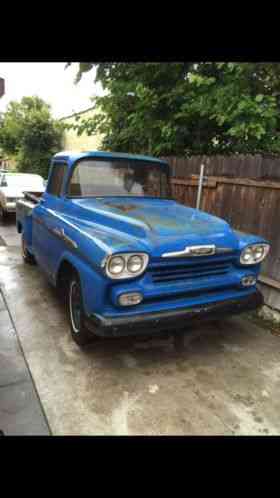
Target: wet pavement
(220, 378)
(20, 410)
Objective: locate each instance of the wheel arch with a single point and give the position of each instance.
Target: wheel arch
(65, 269)
(90, 281)
(19, 226)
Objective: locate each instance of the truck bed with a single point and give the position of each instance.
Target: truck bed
(33, 196)
(24, 208)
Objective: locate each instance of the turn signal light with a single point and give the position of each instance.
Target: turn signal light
(248, 281)
(130, 299)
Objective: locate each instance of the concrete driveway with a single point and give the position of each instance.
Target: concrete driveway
(222, 378)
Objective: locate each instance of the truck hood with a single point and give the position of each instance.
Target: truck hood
(151, 224)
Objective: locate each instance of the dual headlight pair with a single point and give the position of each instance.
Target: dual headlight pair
(254, 254)
(126, 265)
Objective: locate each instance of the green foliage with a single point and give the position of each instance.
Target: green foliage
(187, 108)
(30, 134)
(84, 67)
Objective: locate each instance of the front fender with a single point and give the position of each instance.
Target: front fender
(245, 239)
(91, 281)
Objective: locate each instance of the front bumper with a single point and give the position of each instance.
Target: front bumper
(168, 320)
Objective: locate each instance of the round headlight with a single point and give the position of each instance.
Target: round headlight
(258, 252)
(135, 264)
(247, 256)
(116, 265)
(254, 254)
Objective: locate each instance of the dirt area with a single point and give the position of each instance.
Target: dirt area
(274, 328)
(220, 378)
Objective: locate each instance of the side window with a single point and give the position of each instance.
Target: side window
(56, 179)
(74, 187)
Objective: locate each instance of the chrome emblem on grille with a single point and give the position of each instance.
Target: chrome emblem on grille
(206, 250)
(201, 250)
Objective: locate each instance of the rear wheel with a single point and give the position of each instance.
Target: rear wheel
(26, 256)
(81, 335)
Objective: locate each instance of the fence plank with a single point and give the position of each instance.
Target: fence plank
(211, 181)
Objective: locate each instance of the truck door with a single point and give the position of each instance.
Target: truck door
(46, 245)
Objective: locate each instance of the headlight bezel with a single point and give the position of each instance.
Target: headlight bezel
(253, 249)
(125, 272)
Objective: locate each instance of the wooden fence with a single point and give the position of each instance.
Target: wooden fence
(243, 190)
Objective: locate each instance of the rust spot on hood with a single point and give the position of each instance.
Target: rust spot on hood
(125, 208)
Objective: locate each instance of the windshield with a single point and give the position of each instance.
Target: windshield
(93, 177)
(23, 181)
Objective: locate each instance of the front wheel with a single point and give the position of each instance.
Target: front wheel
(26, 256)
(81, 335)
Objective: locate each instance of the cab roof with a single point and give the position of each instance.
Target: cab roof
(72, 156)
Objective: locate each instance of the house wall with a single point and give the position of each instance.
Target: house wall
(72, 141)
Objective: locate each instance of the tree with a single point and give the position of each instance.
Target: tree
(30, 134)
(187, 108)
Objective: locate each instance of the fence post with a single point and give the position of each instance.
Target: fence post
(201, 178)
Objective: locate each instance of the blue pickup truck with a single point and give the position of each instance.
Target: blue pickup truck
(128, 258)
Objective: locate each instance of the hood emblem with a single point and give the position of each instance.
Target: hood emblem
(205, 250)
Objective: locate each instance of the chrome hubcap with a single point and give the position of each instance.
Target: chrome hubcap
(75, 306)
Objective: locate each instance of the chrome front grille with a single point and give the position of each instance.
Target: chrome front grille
(172, 270)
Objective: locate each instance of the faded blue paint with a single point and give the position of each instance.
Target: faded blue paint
(106, 225)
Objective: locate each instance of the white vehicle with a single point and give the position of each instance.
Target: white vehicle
(2, 172)
(12, 188)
